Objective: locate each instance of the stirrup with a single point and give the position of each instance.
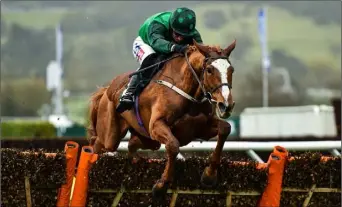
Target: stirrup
(127, 95)
(126, 99)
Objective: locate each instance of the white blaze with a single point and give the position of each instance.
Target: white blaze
(222, 65)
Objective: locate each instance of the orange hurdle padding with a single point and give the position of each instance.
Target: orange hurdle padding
(276, 163)
(71, 151)
(79, 196)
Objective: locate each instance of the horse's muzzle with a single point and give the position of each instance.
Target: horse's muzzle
(224, 111)
(222, 107)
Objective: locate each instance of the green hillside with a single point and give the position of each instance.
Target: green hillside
(98, 39)
(297, 36)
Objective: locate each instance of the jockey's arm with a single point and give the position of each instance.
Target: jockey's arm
(157, 40)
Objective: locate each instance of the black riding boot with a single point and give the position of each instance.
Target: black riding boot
(127, 97)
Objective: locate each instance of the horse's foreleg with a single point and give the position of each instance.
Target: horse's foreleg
(209, 176)
(162, 133)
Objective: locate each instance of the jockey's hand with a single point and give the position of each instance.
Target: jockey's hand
(179, 48)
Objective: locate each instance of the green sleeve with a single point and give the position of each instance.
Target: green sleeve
(156, 38)
(198, 37)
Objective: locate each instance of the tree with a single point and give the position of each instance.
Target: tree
(27, 52)
(3, 26)
(23, 97)
(214, 19)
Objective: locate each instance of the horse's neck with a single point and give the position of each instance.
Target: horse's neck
(184, 78)
(189, 83)
(190, 80)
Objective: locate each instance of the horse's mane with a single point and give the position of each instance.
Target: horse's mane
(211, 48)
(196, 56)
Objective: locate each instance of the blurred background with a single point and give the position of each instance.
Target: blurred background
(54, 54)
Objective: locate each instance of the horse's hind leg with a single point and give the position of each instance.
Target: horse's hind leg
(137, 142)
(98, 146)
(112, 130)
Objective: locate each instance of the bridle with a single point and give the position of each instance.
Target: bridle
(207, 94)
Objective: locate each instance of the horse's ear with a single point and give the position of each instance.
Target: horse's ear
(230, 48)
(202, 48)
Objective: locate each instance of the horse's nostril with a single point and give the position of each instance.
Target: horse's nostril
(222, 107)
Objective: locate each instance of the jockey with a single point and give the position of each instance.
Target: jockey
(160, 35)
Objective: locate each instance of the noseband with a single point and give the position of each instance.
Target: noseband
(207, 94)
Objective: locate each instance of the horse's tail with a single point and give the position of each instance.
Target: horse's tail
(94, 104)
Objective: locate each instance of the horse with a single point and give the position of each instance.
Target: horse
(189, 98)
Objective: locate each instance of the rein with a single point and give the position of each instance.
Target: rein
(151, 66)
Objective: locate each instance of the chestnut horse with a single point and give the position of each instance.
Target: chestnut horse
(187, 99)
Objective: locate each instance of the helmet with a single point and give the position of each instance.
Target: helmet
(183, 21)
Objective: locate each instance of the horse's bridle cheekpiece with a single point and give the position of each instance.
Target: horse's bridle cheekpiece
(207, 94)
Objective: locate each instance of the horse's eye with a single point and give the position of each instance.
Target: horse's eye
(210, 70)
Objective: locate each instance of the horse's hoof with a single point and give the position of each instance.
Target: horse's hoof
(159, 189)
(208, 180)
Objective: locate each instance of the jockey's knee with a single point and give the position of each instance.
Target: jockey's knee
(149, 59)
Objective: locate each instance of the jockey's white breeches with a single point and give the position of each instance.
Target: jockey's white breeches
(141, 50)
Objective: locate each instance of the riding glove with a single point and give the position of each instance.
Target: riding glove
(179, 48)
